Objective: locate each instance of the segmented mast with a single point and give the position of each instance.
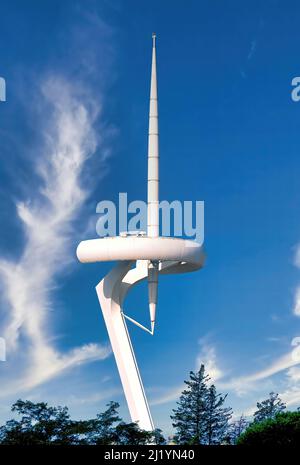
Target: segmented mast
(153, 185)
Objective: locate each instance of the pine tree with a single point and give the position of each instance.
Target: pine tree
(189, 417)
(103, 431)
(268, 408)
(216, 417)
(236, 429)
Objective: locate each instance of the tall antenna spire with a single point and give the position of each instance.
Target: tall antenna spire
(153, 186)
(153, 155)
(152, 254)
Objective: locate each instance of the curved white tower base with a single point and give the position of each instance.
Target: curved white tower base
(111, 292)
(173, 255)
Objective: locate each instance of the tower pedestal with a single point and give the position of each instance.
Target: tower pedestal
(111, 293)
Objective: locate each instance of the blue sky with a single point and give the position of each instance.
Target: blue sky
(73, 131)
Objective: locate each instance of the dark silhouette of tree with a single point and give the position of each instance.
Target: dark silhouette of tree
(200, 417)
(188, 418)
(158, 437)
(235, 430)
(216, 417)
(103, 430)
(268, 408)
(282, 430)
(41, 424)
(130, 434)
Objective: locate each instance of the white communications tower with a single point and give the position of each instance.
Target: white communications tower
(139, 257)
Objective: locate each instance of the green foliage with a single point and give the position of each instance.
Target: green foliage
(158, 437)
(200, 417)
(282, 430)
(216, 417)
(130, 434)
(103, 430)
(268, 408)
(41, 424)
(188, 418)
(235, 430)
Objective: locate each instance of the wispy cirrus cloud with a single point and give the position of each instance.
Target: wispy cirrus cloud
(169, 395)
(48, 219)
(244, 384)
(296, 307)
(258, 382)
(252, 49)
(208, 357)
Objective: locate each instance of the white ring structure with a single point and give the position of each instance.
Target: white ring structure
(141, 248)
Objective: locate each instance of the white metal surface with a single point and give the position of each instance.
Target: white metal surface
(173, 256)
(153, 154)
(111, 292)
(139, 248)
(153, 185)
(152, 256)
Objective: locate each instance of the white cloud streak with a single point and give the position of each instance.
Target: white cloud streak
(296, 307)
(168, 396)
(208, 357)
(48, 222)
(241, 385)
(246, 383)
(252, 49)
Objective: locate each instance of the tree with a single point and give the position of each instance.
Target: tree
(216, 417)
(268, 408)
(189, 417)
(282, 430)
(158, 437)
(131, 434)
(200, 417)
(39, 424)
(103, 431)
(236, 429)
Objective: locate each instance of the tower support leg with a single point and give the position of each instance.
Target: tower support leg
(111, 293)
